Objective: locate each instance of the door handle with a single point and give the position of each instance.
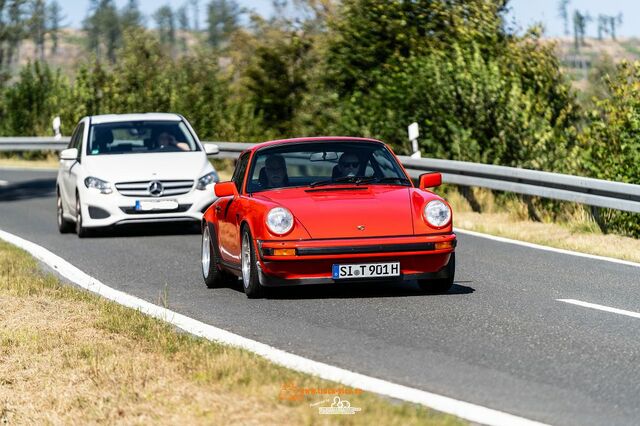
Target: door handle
(218, 209)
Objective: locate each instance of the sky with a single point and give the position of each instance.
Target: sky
(523, 14)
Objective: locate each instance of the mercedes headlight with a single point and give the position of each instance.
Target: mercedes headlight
(207, 180)
(98, 184)
(279, 220)
(437, 213)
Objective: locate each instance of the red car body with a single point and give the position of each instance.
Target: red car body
(339, 224)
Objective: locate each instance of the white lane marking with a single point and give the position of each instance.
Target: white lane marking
(4, 183)
(601, 307)
(465, 410)
(546, 248)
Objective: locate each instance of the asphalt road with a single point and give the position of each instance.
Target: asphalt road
(498, 339)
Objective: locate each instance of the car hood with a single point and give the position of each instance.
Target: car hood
(342, 212)
(142, 167)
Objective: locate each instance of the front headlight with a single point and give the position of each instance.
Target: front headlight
(279, 220)
(207, 180)
(98, 184)
(437, 213)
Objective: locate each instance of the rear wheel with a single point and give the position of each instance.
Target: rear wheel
(64, 226)
(213, 275)
(250, 281)
(440, 285)
(80, 229)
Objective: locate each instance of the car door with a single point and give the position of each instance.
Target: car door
(70, 170)
(227, 212)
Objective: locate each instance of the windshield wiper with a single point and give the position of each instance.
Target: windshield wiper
(344, 179)
(388, 179)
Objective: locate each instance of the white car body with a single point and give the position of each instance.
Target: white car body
(133, 177)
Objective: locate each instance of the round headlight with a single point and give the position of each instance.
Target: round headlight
(279, 220)
(437, 213)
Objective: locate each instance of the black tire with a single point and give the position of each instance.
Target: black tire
(214, 276)
(440, 285)
(64, 226)
(80, 229)
(250, 280)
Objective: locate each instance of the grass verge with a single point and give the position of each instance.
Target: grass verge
(575, 231)
(48, 162)
(67, 357)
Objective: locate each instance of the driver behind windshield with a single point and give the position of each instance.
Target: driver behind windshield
(275, 172)
(165, 140)
(348, 165)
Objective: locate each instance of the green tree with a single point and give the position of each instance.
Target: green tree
(130, 17)
(611, 142)
(38, 95)
(13, 29)
(38, 25)
(222, 21)
(182, 16)
(103, 28)
(54, 18)
(143, 83)
(165, 22)
(277, 80)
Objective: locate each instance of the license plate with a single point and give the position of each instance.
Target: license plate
(151, 205)
(366, 270)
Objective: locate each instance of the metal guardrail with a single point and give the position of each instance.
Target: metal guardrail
(593, 192)
(30, 143)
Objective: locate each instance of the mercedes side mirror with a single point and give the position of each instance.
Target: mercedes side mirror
(211, 149)
(69, 154)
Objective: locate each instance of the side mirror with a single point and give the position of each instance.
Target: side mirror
(69, 154)
(224, 189)
(430, 180)
(211, 149)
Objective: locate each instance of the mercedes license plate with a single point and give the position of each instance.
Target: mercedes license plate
(366, 270)
(151, 205)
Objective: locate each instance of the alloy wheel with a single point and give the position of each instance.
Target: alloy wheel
(206, 252)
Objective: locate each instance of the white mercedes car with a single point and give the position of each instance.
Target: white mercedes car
(133, 168)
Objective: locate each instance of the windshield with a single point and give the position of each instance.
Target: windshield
(324, 163)
(138, 137)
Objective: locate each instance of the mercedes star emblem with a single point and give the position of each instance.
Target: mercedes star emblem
(155, 188)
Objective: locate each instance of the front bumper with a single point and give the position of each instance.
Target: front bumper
(420, 257)
(102, 210)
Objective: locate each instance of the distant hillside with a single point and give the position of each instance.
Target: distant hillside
(72, 49)
(578, 62)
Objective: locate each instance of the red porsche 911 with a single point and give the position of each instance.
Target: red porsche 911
(325, 211)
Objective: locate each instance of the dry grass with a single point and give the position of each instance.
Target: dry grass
(68, 357)
(577, 231)
(50, 162)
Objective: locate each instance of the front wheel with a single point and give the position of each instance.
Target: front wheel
(440, 285)
(250, 280)
(80, 229)
(64, 226)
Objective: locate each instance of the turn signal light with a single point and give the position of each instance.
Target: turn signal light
(444, 245)
(284, 252)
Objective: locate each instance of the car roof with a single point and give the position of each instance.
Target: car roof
(148, 116)
(313, 139)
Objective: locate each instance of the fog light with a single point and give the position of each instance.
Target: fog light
(284, 252)
(444, 245)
